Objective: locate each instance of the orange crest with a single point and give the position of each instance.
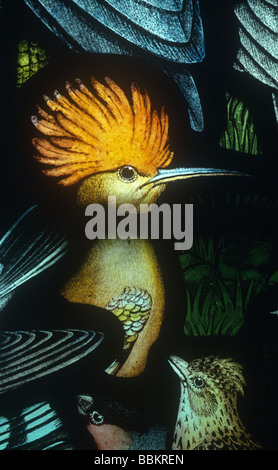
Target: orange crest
(88, 134)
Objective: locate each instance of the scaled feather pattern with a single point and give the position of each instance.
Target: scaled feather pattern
(132, 308)
(88, 133)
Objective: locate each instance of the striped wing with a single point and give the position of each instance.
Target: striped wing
(170, 30)
(26, 356)
(29, 247)
(258, 52)
(36, 427)
(258, 28)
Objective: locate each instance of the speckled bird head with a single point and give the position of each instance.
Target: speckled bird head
(208, 414)
(210, 383)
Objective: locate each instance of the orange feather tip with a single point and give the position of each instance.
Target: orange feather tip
(79, 83)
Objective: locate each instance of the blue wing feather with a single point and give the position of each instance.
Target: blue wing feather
(154, 20)
(85, 21)
(171, 5)
(29, 247)
(167, 29)
(36, 427)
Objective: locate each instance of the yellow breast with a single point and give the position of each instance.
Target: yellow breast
(111, 268)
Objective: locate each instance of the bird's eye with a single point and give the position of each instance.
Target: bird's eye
(127, 174)
(198, 382)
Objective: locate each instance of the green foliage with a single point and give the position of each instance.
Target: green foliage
(240, 133)
(218, 311)
(223, 272)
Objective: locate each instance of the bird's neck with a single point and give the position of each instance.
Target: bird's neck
(110, 267)
(192, 430)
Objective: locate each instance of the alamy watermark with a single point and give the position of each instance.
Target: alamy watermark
(150, 221)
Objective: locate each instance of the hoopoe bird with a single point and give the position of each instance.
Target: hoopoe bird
(109, 145)
(207, 417)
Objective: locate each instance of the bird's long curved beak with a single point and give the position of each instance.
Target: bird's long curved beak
(164, 176)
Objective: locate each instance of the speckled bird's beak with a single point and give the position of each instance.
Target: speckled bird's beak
(178, 365)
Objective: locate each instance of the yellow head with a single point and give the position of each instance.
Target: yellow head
(91, 134)
(107, 144)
